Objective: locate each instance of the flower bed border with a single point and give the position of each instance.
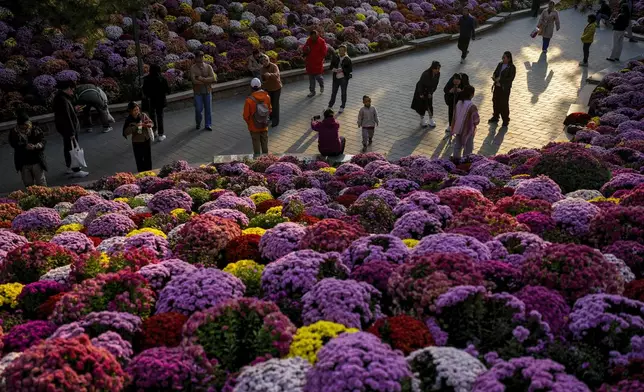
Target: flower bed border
(227, 89)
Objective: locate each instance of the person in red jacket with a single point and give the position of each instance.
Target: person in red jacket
(315, 50)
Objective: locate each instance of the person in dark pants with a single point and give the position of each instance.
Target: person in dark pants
(90, 96)
(452, 89)
(272, 84)
(536, 4)
(604, 13)
(315, 51)
(423, 94)
(330, 143)
(503, 77)
(67, 124)
(28, 142)
(342, 68)
(139, 126)
(155, 90)
(587, 38)
(467, 25)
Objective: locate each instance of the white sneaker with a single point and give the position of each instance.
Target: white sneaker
(80, 174)
(432, 123)
(161, 138)
(423, 122)
(108, 129)
(340, 110)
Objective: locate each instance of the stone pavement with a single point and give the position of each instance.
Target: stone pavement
(544, 88)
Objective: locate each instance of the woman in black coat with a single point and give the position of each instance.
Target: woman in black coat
(503, 77)
(155, 89)
(28, 142)
(423, 100)
(454, 86)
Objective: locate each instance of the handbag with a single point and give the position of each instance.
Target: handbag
(534, 32)
(77, 154)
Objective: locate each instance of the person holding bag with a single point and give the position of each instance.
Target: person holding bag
(67, 125)
(28, 142)
(139, 126)
(423, 94)
(466, 118)
(452, 90)
(342, 68)
(547, 23)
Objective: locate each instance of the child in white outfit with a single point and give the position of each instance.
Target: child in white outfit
(368, 121)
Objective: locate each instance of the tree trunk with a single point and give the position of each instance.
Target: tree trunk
(137, 47)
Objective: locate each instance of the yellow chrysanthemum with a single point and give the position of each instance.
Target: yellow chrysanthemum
(595, 120)
(70, 227)
(245, 24)
(274, 211)
(377, 185)
(254, 230)
(518, 176)
(249, 272)
(217, 190)
(254, 41)
(372, 46)
(8, 294)
(10, 43)
(378, 10)
(224, 54)
(209, 43)
(185, 6)
(410, 242)
(180, 211)
(361, 17)
(150, 173)
(272, 54)
(339, 28)
(308, 341)
(122, 199)
(208, 58)
(260, 197)
(170, 18)
(156, 232)
(602, 199)
(286, 32)
(330, 170)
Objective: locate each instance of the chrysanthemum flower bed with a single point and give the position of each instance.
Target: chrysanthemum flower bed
(283, 275)
(35, 56)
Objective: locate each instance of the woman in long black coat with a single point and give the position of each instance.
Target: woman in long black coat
(423, 95)
(503, 77)
(155, 90)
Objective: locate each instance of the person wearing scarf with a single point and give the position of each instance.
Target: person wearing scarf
(466, 118)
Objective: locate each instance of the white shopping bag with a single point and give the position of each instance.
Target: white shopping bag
(78, 155)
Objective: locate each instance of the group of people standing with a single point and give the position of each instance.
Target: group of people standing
(458, 94)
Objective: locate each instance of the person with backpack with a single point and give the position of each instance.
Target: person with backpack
(155, 90)
(257, 111)
(452, 89)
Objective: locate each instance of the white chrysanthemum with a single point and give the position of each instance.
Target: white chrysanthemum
(271, 29)
(193, 44)
(251, 190)
(624, 269)
(189, 2)
(113, 32)
(362, 49)
(453, 367)
(262, 19)
(337, 11)
(290, 42)
(200, 10)
(235, 25)
(200, 30)
(236, 7)
(63, 208)
(515, 182)
(216, 30)
(127, 21)
(383, 16)
(173, 34)
(74, 218)
(141, 210)
(106, 244)
(5, 362)
(586, 194)
(173, 235)
(274, 375)
(249, 16)
(60, 275)
(146, 197)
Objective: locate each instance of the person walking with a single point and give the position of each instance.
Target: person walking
(587, 38)
(202, 77)
(342, 68)
(603, 13)
(90, 96)
(423, 94)
(28, 142)
(536, 4)
(272, 83)
(67, 124)
(503, 77)
(467, 25)
(547, 23)
(155, 90)
(452, 90)
(330, 143)
(254, 63)
(619, 29)
(139, 126)
(466, 118)
(257, 110)
(315, 51)
(368, 121)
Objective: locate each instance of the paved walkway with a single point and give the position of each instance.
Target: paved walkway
(544, 88)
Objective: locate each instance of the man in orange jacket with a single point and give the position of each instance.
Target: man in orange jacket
(257, 111)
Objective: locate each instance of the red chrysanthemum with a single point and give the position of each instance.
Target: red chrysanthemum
(635, 290)
(403, 333)
(245, 247)
(266, 205)
(162, 330)
(139, 218)
(346, 200)
(47, 308)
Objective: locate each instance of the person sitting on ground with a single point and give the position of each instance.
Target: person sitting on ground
(28, 142)
(257, 112)
(90, 96)
(254, 63)
(330, 143)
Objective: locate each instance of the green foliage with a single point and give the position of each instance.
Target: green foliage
(266, 221)
(199, 196)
